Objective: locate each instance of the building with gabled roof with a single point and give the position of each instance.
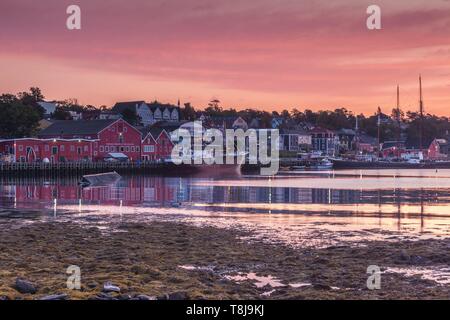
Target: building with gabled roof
(111, 135)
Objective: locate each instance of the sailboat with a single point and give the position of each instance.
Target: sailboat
(353, 164)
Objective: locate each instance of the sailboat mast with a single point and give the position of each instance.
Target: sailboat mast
(398, 117)
(379, 133)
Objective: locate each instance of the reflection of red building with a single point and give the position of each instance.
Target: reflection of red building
(132, 191)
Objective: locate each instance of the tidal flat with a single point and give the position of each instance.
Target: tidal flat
(171, 260)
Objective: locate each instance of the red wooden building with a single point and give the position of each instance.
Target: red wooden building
(93, 140)
(47, 150)
(110, 136)
(156, 144)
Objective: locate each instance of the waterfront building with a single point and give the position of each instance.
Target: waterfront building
(46, 150)
(110, 136)
(156, 144)
(325, 141)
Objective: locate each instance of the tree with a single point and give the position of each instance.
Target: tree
(130, 116)
(17, 119)
(188, 112)
(61, 114)
(31, 97)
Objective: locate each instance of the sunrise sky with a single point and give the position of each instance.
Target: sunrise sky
(263, 54)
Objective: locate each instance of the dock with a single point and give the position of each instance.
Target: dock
(81, 168)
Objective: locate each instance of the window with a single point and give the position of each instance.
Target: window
(47, 148)
(106, 149)
(86, 148)
(72, 148)
(79, 150)
(127, 149)
(121, 138)
(122, 149)
(133, 149)
(20, 148)
(62, 148)
(149, 149)
(101, 149)
(125, 129)
(138, 149)
(54, 150)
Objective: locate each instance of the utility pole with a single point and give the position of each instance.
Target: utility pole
(398, 120)
(398, 115)
(421, 115)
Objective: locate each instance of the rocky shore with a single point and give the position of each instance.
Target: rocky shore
(166, 260)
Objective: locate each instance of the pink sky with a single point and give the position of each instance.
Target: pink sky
(254, 53)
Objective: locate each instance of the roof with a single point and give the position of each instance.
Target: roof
(294, 131)
(321, 130)
(347, 131)
(70, 127)
(154, 131)
(392, 144)
(48, 106)
(169, 126)
(117, 155)
(154, 105)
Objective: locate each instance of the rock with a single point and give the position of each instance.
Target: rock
(404, 256)
(178, 296)
(163, 297)
(321, 286)
(103, 296)
(55, 297)
(109, 287)
(92, 285)
(124, 297)
(145, 297)
(24, 286)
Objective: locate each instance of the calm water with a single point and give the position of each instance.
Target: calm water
(299, 209)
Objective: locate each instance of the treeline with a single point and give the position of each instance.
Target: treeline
(393, 126)
(20, 115)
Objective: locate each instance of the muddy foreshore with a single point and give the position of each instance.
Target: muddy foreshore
(145, 259)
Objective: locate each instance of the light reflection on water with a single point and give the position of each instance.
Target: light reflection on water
(300, 209)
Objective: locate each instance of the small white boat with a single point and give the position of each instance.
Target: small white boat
(323, 164)
(101, 179)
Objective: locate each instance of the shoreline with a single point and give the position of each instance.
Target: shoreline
(173, 260)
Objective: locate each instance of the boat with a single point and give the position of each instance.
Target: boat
(101, 179)
(355, 164)
(323, 164)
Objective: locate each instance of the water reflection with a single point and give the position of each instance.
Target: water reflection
(282, 204)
